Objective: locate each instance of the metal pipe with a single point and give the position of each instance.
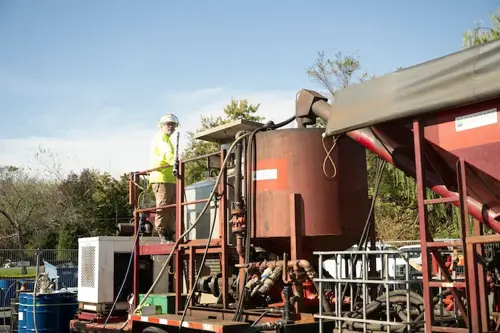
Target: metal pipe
(287, 316)
(369, 140)
(295, 265)
(238, 176)
(148, 171)
(200, 157)
(322, 109)
(367, 281)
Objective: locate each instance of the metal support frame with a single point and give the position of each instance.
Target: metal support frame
(476, 315)
(186, 248)
(365, 280)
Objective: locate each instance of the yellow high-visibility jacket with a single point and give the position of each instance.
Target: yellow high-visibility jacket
(162, 153)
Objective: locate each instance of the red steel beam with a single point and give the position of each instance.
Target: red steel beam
(366, 138)
(424, 233)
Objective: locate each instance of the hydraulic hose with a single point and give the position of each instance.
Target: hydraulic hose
(250, 163)
(201, 267)
(295, 265)
(123, 283)
(281, 124)
(366, 230)
(395, 297)
(198, 219)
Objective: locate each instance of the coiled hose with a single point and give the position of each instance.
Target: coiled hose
(396, 297)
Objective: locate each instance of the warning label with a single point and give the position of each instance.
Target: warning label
(476, 120)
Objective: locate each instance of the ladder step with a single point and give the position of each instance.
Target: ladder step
(455, 198)
(444, 284)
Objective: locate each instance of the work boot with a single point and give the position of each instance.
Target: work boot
(169, 236)
(164, 235)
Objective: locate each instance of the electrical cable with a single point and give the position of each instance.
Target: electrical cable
(198, 219)
(250, 163)
(123, 283)
(260, 317)
(201, 265)
(248, 196)
(129, 263)
(34, 289)
(273, 126)
(250, 200)
(366, 230)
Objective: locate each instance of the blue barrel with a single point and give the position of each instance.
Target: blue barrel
(69, 309)
(21, 312)
(53, 312)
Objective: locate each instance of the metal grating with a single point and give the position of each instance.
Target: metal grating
(87, 262)
(212, 264)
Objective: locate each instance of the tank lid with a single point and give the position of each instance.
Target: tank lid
(227, 132)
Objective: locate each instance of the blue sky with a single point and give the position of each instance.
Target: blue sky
(89, 79)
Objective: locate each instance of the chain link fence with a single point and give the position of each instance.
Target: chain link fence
(14, 257)
(19, 266)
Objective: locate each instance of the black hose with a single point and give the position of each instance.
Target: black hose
(250, 159)
(366, 230)
(283, 123)
(395, 297)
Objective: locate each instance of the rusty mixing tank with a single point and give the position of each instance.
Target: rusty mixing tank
(300, 197)
(298, 206)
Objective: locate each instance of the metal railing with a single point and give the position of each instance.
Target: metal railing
(376, 289)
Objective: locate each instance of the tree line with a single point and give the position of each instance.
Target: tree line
(52, 210)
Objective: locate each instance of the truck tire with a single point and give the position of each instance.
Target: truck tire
(153, 329)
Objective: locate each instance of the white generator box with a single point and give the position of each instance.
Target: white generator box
(97, 279)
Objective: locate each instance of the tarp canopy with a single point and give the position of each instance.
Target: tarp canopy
(465, 77)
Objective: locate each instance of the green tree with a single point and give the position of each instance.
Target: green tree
(89, 202)
(336, 73)
(480, 34)
(95, 203)
(28, 212)
(235, 110)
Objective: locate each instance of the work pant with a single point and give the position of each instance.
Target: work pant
(165, 194)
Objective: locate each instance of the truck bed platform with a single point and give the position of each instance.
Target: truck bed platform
(195, 323)
(81, 326)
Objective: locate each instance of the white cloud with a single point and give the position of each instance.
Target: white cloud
(125, 147)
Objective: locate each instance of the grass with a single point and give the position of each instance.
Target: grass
(16, 272)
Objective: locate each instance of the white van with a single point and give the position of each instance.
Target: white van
(414, 253)
(331, 266)
(408, 252)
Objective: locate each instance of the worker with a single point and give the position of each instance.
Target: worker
(163, 180)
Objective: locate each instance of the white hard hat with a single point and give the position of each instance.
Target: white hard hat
(169, 118)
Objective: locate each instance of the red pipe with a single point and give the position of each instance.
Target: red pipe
(366, 138)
